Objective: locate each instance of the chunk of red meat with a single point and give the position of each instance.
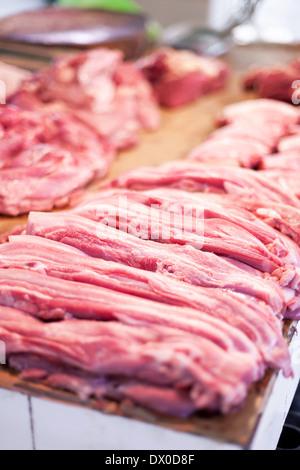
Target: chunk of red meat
(278, 81)
(181, 77)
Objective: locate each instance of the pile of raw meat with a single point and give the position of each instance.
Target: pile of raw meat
(169, 287)
(63, 126)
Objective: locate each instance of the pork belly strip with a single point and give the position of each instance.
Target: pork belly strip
(288, 160)
(181, 262)
(288, 179)
(280, 117)
(230, 151)
(281, 217)
(209, 235)
(53, 299)
(195, 177)
(214, 207)
(158, 398)
(214, 377)
(253, 318)
(185, 221)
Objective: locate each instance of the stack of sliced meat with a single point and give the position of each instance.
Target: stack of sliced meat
(253, 134)
(169, 289)
(96, 310)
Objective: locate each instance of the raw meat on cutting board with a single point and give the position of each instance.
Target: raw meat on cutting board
(181, 77)
(45, 158)
(258, 321)
(249, 135)
(105, 92)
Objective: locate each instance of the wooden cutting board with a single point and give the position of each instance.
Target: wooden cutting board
(181, 130)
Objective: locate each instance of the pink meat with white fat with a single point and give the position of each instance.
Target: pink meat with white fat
(57, 260)
(191, 225)
(250, 133)
(287, 160)
(281, 117)
(229, 151)
(194, 177)
(184, 263)
(211, 376)
(287, 179)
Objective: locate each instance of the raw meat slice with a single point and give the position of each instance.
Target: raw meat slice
(45, 158)
(158, 398)
(251, 133)
(195, 177)
(290, 143)
(287, 179)
(286, 160)
(200, 206)
(109, 95)
(49, 299)
(287, 156)
(280, 117)
(214, 377)
(180, 262)
(230, 150)
(55, 259)
(248, 133)
(181, 77)
(189, 226)
(282, 217)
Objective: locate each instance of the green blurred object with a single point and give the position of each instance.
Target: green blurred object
(128, 6)
(153, 28)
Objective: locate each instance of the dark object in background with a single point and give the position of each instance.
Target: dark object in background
(290, 436)
(279, 82)
(34, 38)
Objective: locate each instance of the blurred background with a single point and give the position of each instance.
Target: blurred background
(273, 19)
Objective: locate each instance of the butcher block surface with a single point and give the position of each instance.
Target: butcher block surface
(181, 130)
